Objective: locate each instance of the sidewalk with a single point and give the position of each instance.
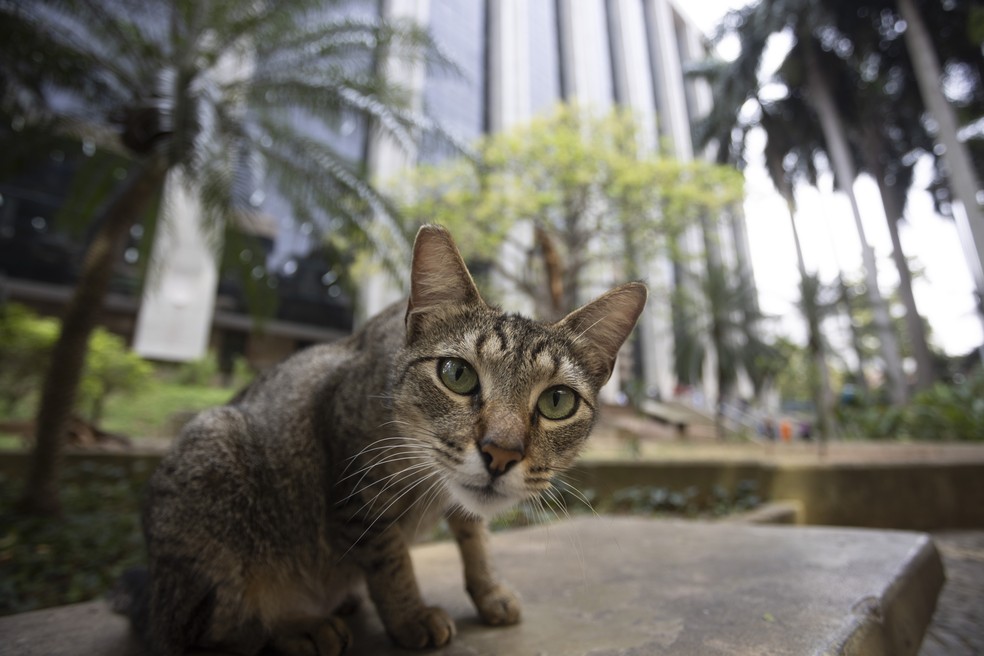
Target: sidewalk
(626, 586)
(957, 628)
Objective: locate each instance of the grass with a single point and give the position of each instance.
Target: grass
(154, 411)
(159, 410)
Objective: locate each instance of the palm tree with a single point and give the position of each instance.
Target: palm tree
(786, 163)
(790, 144)
(960, 168)
(212, 94)
(821, 92)
(803, 73)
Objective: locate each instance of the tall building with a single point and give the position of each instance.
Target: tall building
(518, 58)
(523, 57)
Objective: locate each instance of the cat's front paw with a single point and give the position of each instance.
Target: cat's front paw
(330, 637)
(498, 605)
(429, 627)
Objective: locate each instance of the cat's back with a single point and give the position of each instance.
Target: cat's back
(275, 433)
(319, 373)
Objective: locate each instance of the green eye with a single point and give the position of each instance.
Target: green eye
(557, 402)
(457, 375)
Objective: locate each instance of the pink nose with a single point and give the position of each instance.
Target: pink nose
(497, 459)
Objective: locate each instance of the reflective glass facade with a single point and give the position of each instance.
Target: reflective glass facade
(544, 62)
(457, 101)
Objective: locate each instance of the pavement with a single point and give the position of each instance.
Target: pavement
(957, 628)
(618, 586)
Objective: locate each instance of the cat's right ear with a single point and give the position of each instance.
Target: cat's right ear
(438, 275)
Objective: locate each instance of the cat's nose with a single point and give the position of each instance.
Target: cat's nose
(499, 460)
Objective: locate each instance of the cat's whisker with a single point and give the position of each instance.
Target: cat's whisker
(392, 479)
(541, 512)
(434, 496)
(381, 458)
(359, 490)
(556, 501)
(583, 499)
(388, 459)
(406, 473)
(387, 507)
(430, 488)
(386, 452)
(577, 495)
(392, 422)
(372, 446)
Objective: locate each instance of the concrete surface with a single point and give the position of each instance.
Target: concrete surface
(608, 586)
(920, 487)
(894, 494)
(957, 628)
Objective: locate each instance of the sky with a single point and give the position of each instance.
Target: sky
(944, 292)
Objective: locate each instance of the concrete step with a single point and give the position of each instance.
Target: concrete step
(610, 585)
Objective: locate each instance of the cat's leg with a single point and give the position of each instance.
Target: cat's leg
(384, 558)
(330, 637)
(495, 602)
(189, 612)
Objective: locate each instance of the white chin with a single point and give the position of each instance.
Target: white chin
(483, 502)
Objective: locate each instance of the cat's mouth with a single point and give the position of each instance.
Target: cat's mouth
(485, 492)
(486, 499)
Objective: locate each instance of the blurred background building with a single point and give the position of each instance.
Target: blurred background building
(518, 58)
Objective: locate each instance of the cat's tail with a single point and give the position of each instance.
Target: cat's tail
(131, 597)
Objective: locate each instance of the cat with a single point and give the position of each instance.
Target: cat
(317, 477)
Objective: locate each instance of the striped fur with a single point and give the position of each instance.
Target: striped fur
(269, 512)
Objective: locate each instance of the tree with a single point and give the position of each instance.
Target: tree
(960, 169)
(577, 179)
(210, 94)
(810, 71)
(598, 207)
(790, 143)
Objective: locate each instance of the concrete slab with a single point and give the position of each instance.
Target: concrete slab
(607, 586)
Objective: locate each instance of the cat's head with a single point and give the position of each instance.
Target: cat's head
(500, 402)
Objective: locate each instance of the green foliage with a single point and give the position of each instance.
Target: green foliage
(944, 412)
(584, 182)
(119, 390)
(794, 379)
(201, 372)
(26, 341)
(688, 502)
(110, 368)
(244, 98)
(160, 408)
(49, 562)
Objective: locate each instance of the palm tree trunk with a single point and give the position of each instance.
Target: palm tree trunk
(837, 147)
(845, 299)
(716, 336)
(960, 169)
(60, 387)
(894, 210)
(822, 395)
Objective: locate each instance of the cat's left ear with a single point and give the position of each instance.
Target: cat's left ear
(604, 324)
(438, 275)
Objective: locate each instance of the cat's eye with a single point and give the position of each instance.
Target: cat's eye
(457, 375)
(558, 402)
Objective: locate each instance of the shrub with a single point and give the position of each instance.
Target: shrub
(945, 412)
(26, 341)
(25, 345)
(948, 412)
(110, 368)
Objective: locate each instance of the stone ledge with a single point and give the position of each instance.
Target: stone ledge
(787, 511)
(608, 586)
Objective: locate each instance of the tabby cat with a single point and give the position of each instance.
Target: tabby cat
(318, 476)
